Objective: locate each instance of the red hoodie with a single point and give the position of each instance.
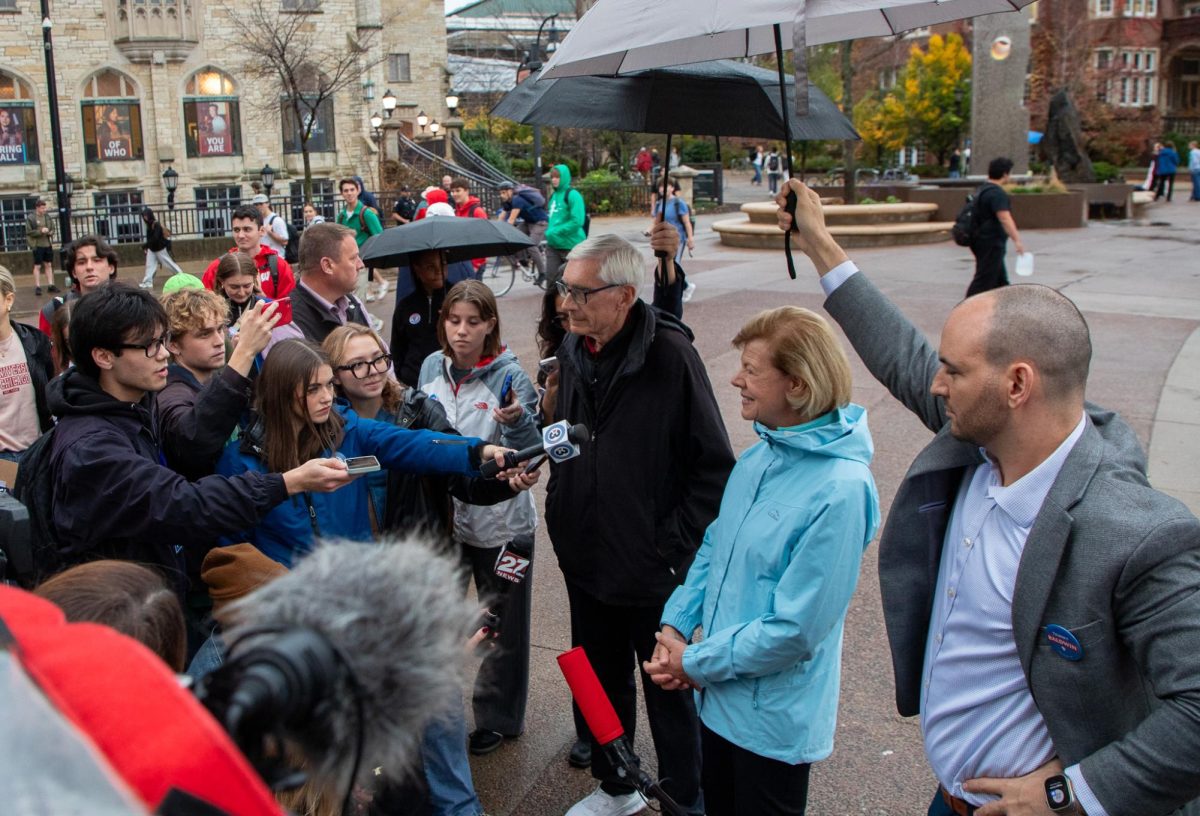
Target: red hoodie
(471, 208)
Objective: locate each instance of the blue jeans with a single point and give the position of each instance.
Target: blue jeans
(1195, 186)
(447, 770)
(757, 174)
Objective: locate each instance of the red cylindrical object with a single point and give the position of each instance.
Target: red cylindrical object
(589, 696)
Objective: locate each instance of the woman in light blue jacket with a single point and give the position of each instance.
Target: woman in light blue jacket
(773, 578)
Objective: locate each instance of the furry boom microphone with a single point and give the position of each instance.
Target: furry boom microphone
(351, 653)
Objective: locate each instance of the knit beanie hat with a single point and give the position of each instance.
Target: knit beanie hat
(233, 572)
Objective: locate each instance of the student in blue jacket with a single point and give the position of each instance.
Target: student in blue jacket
(298, 416)
(773, 577)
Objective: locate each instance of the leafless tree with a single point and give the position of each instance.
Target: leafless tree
(288, 56)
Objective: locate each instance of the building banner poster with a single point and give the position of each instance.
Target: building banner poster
(12, 135)
(114, 134)
(215, 138)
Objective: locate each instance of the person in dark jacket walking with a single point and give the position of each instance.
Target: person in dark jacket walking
(627, 515)
(206, 396)
(112, 497)
(993, 215)
(25, 367)
(157, 248)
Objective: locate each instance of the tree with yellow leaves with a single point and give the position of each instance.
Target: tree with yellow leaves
(930, 105)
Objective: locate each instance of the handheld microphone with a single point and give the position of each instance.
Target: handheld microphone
(560, 442)
(605, 725)
(351, 653)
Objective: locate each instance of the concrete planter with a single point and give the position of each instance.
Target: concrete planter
(1050, 210)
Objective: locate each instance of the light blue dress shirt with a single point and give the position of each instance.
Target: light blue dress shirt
(978, 716)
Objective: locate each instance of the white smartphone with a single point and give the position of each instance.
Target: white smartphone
(361, 464)
(548, 366)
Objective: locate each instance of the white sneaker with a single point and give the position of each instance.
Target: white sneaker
(376, 323)
(381, 288)
(600, 803)
(688, 291)
(146, 285)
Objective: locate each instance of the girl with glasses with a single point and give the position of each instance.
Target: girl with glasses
(484, 392)
(299, 418)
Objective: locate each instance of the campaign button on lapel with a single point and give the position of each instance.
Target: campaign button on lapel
(1063, 642)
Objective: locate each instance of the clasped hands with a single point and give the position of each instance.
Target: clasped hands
(665, 665)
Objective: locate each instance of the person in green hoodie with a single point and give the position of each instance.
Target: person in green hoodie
(565, 229)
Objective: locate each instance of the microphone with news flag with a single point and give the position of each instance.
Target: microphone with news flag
(560, 442)
(605, 725)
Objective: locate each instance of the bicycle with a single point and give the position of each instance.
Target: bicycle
(500, 273)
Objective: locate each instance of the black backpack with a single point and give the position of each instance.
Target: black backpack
(773, 162)
(291, 252)
(34, 488)
(966, 225)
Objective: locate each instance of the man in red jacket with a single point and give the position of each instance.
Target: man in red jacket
(467, 206)
(275, 276)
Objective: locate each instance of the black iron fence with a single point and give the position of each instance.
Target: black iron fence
(122, 224)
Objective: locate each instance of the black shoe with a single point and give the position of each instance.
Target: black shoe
(483, 741)
(37, 291)
(52, 289)
(581, 754)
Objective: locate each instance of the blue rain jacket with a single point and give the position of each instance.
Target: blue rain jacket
(771, 584)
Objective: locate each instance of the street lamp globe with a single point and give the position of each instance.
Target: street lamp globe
(376, 121)
(268, 177)
(434, 127)
(389, 103)
(422, 120)
(452, 103)
(170, 179)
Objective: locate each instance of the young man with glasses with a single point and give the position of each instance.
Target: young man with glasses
(113, 496)
(206, 396)
(627, 515)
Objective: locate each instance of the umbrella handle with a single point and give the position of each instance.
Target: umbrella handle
(787, 236)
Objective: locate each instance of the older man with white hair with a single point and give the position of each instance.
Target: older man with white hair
(626, 516)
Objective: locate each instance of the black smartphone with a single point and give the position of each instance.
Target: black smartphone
(361, 464)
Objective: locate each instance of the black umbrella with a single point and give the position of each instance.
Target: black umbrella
(460, 238)
(720, 98)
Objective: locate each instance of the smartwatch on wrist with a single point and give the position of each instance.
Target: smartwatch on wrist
(1060, 798)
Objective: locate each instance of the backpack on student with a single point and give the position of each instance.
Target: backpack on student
(291, 252)
(773, 162)
(966, 225)
(532, 194)
(273, 267)
(34, 488)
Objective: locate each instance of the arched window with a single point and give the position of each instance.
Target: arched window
(316, 115)
(112, 118)
(210, 115)
(18, 127)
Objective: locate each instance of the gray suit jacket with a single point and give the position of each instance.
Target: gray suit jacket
(1108, 557)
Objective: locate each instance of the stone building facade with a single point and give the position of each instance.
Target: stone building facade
(144, 85)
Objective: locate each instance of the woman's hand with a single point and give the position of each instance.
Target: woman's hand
(550, 397)
(508, 414)
(665, 666)
(523, 481)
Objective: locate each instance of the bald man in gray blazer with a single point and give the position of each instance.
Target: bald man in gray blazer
(1042, 601)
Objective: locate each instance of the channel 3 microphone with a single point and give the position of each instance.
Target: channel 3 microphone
(606, 727)
(560, 442)
(347, 657)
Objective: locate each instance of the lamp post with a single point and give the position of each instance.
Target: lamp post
(434, 127)
(389, 103)
(62, 182)
(532, 64)
(422, 120)
(268, 179)
(368, 90)
(170, 181)
(451, 103)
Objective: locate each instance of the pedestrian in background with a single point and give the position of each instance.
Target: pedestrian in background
(1166, 163)
(994, 226)
(156, 249)
(774, 165)
(1194, 169)
(39, 235)
(757, 163)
